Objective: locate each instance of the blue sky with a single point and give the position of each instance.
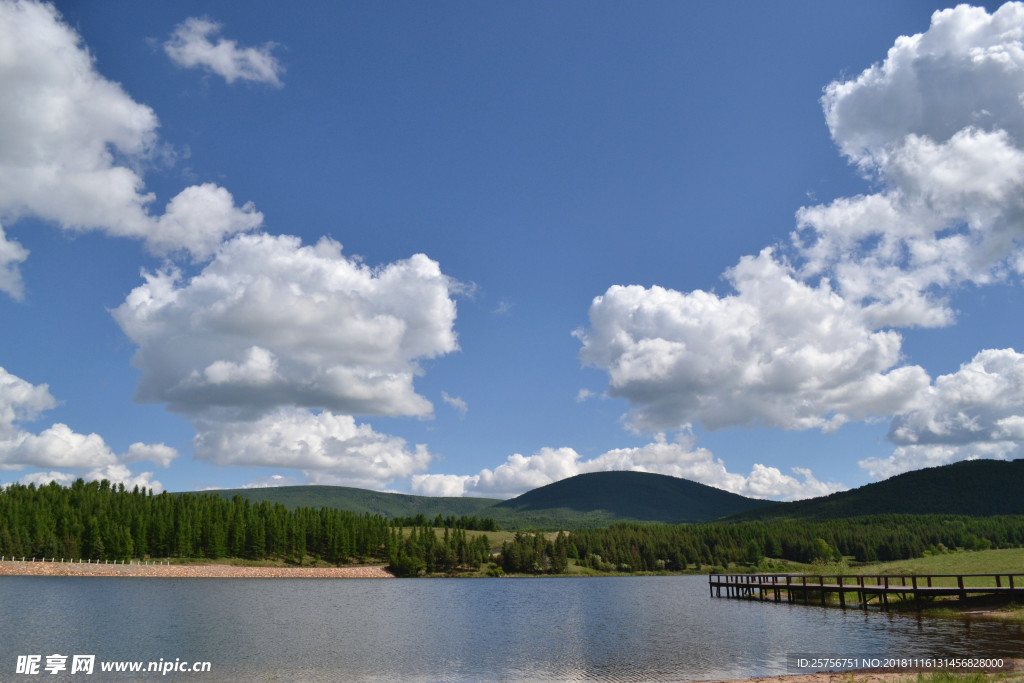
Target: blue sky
(470, 249)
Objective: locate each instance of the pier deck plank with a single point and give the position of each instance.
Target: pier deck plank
(865, 587)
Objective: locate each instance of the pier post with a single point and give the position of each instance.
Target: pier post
(770, 587)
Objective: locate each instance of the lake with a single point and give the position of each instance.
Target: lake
(615, 629)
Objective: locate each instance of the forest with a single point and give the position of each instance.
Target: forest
(655, 547)
(100, 521)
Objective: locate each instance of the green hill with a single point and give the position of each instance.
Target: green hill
(976, 488)
(586, 500)
(973, 487)
(606, 497)
(362, 500)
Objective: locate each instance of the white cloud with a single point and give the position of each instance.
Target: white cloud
(197, 219)
(21, 401)
(274, 480)
(44, 478)
(678, 458)
(779, 352)
(584, 394)
(953, 213)
(58, 446)
(11, 254)
(915, 457)
(115, 474)
(517, 474)
(940, 125)
(809, 338)
(327, 448)
(259, 367)
(976, 412)
(455, 402)
(191, 45)
(72, 144)
(271, 323)
(158, 453)
(964, 71)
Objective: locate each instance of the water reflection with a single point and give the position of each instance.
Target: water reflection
(656, 628)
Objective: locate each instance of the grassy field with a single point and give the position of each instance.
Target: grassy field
(962, 678)
(963, 562)
(1004, 562)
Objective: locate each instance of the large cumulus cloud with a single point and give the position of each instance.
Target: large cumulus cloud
(779, 352)
(327, 448)
(274, 345)
(809, 337)
(72, 145)
(271, 322)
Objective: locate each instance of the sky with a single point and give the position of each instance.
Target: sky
(470, 249)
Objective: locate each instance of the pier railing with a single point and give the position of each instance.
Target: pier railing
(864, 587)
(54, 560)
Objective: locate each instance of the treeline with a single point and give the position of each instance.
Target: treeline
(99, 521)
(637, 547)
(420, 551)
(470, 523)
(535, 554)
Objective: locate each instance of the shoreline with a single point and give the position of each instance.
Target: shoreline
(210, 571)
(1014, 671)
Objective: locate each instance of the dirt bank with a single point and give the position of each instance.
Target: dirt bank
(8, 568)
(1013, 673)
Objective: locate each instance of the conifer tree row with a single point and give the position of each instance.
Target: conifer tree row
(652, 547)
(420, 551)
(98, 521)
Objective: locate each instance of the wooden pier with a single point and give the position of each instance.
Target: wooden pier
(807, 588)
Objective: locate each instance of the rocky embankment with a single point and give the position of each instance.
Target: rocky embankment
(18, 568)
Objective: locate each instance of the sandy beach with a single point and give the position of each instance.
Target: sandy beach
(220, 571)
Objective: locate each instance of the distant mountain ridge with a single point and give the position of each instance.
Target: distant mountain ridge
(594, 499)
(977, 488)
(973, 488)
(635, 496)
(363, 500)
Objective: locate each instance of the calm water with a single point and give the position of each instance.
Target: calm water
(620, 629)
